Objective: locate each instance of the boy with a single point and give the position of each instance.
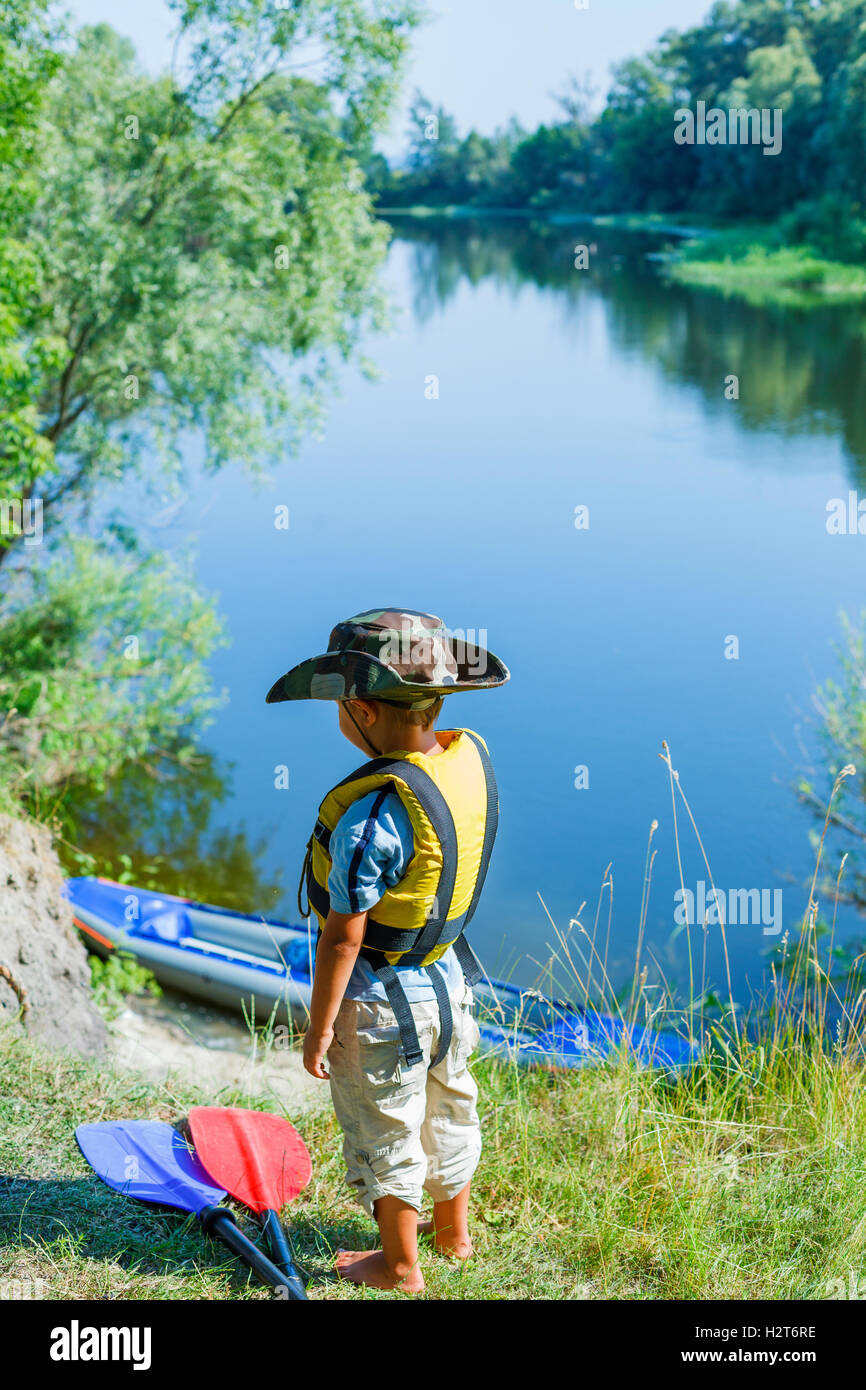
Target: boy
(394, 870)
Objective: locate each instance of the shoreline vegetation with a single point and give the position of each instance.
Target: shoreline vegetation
(755, 263)
(681, 137)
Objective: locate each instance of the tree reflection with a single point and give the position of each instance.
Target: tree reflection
(802, 371)
(178, 849)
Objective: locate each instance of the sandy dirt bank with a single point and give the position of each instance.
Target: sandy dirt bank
(173, 1036)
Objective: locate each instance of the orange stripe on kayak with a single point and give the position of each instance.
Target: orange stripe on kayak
(82, 926)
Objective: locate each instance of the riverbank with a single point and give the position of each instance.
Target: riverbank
(173, 1040)
(752, 263)
(601, 1184)
(663, 223)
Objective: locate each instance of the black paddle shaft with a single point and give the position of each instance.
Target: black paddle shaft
(219, 1222)
(282, 1253)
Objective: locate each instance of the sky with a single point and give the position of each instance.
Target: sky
(482, 60)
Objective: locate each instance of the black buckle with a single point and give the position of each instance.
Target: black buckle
(322, 834)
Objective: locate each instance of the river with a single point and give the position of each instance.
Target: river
(699, 605)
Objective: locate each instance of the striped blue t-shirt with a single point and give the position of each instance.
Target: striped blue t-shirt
(371, 847)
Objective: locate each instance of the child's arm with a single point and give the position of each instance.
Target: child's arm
(339, 944)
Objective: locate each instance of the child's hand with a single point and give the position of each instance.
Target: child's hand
(315, 1047)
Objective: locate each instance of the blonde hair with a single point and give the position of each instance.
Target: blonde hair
(421, 718)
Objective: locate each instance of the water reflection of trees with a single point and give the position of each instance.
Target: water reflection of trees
(801, 371)
(167, 824)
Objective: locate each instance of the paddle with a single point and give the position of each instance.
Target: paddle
(151, 1161)
(263, 1162)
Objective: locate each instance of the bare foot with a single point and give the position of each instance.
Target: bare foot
(458, 1247)
(369, 1267)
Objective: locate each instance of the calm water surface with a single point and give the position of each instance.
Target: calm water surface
(557, 388)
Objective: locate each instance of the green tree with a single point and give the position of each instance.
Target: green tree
(806, 58)
(780, 77)
(551, 166)
(28, 352)
(199, 232)
(639, 165)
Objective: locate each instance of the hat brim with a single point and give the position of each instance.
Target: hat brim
(325, 678)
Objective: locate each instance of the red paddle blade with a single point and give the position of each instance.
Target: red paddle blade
(259, 1158)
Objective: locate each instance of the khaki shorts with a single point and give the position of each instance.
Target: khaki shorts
(405, 1129)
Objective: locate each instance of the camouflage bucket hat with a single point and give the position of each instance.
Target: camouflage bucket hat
(393, 654)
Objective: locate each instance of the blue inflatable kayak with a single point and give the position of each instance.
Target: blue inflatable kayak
(264, 967)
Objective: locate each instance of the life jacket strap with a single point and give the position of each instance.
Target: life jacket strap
(396, 996)
(468, 960)
(306, 879)
(322, 834)
(318, 897)
(446, 1013)
(398, 999)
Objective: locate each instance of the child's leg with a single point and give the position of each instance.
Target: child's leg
(380, 1106)
(451, 1136)
(450, 1225)
(396, 1264)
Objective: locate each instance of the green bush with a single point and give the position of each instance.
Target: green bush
(113, 980)
(832, 225)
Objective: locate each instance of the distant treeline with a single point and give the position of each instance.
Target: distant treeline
(805, 58)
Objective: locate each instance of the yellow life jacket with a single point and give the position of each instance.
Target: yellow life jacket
(452, 804)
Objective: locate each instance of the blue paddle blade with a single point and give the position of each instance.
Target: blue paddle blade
(149, 1160)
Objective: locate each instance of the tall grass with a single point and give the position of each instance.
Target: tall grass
(742, 1177)
(802, 1012)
